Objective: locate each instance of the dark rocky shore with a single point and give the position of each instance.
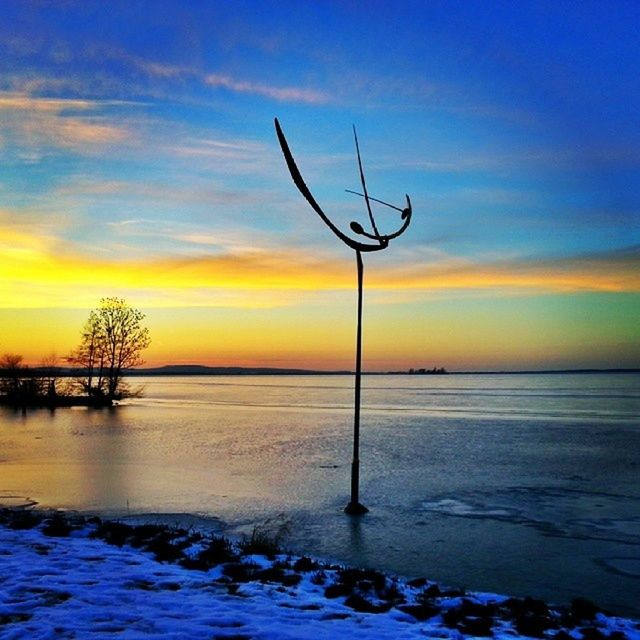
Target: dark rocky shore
(361, 590)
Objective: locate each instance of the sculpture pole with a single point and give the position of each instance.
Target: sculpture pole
(354, 507)
(381, 242)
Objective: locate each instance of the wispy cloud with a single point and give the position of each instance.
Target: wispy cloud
(549, 159)
(282, 94)
(24, 102)
(74, 132)
(605, 272)
(217, 79)
(37, 269)
(230, 156)
(194, 239)
(36, 123)
(30, 237)
(197, 192)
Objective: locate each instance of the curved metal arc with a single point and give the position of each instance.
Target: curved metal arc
(304, 190)
(406, 216)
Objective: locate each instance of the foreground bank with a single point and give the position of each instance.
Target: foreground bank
(75, 577)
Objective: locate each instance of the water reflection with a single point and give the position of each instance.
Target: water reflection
(357, 541)
(104, 477)
(507, 481)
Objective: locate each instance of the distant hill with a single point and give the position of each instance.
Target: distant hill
(201, 370)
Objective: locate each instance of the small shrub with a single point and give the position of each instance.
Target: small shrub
(337, 590)
(420, 612)
(24, 520)
(57, 526)
(480, 627)
(305, 564)
(143, 533)
(392, 594)
(116, 533)
(360, 604)
(417, 583)
(218, 551)
(239, 571)
(266, 539)
(365, 579)
(319, 578)
(583, 609)
(278, 575)
(163, 550)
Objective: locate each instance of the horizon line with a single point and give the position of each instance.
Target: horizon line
(201, 369)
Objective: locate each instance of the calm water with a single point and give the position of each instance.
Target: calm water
(521, 484)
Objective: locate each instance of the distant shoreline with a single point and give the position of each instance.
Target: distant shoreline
(59, 401)
(201, 370)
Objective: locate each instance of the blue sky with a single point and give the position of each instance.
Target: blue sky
(138, 138)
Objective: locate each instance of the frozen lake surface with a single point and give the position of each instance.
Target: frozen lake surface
(523, 484)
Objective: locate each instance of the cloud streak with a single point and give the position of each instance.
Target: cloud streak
(616, 272)
(38, 270)
(36, 123)
(217, 80)
(282, 94)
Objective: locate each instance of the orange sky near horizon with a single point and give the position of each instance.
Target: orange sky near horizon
(477, 332)
(291, 309)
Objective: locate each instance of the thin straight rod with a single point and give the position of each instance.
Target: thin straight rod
(364, 184)
(355, 464)
(356, 193)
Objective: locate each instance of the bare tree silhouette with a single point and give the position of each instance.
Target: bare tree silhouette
(12, 370)
(380, 242)
(113, 340)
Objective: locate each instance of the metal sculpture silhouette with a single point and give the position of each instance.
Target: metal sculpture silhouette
(380, 242)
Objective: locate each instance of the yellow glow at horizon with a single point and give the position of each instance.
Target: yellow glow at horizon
(458, 334)
(290, 309)
(41, 272)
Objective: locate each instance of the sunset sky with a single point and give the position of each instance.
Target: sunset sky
(139, 160)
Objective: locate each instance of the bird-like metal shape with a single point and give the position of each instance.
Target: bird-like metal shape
(380, 242)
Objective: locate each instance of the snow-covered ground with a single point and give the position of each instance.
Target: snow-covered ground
(58, 581)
